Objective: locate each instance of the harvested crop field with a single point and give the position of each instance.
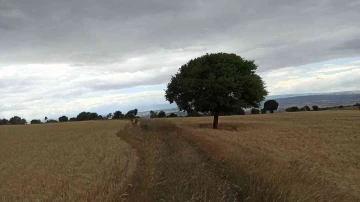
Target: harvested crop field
(304, 156)
(82, 161)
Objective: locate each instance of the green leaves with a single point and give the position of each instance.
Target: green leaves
(216, 83)
(272, 105)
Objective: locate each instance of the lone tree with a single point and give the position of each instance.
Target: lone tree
(216, 83)
(271, 105)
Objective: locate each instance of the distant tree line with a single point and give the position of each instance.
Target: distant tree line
(16, 120)
(269, 106)
(83, 116)
(315, 108)
(305, 108)
(161, 114)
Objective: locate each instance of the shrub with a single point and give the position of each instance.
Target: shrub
(173, 115)
(161, 114)
(16, 120)
(35, 121)
(116, 115)
(292, 109)
(4, 121)
(63, 119)
(315, 108)
(255, 111)
(306, 108)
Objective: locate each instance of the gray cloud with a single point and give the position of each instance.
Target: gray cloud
(276, 34)
(350, 44)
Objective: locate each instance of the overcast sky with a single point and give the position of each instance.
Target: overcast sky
(64, 57)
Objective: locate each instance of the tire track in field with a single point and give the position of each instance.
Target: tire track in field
(172, 169)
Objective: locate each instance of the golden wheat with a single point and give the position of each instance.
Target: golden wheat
(314, 154)
(64, 162)
(306, 156)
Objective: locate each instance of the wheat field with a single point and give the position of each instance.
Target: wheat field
(312, 154)
(82, 161)
(305, 156)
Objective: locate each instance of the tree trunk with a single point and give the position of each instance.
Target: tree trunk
(216, 120)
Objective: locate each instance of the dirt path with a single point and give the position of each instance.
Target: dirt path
(171, 168)
(128, 163)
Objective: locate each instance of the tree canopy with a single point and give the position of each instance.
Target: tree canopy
(271, 106)
(16, 120)
(4, 121)
(216, 83)
(161, 114)
(315, 108)
(35, 121)
(63, 119)
(117, 115)
(84, 116)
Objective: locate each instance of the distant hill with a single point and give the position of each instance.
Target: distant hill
(322, 100)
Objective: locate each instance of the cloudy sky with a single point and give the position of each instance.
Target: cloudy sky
(64, 57)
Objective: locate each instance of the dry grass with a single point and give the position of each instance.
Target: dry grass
(313, 156)
(82, 161)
